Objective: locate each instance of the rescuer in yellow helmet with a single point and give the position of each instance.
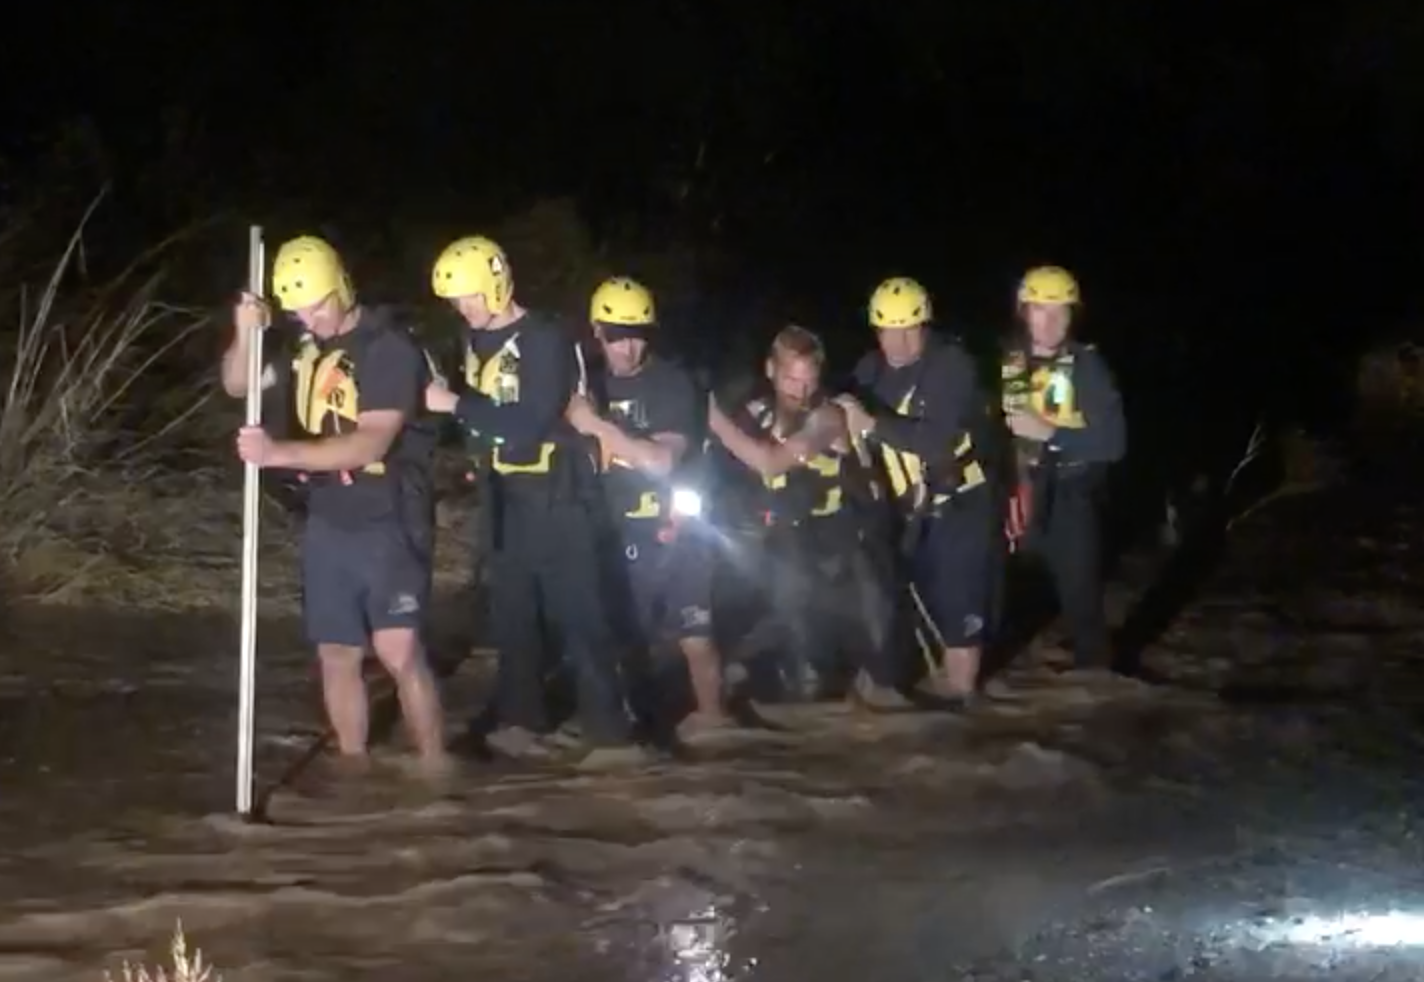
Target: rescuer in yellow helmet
(649, 429)
(1063, 408)
(521, 370)
(357, 385)
(920, 402)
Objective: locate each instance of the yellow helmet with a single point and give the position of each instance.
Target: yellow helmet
(306, 271)
(474, 265)
(1048, 284)
(899, 302)
(622, 300)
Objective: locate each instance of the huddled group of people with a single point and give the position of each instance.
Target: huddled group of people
(663, 557)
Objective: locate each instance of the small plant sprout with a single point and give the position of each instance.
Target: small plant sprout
(185, 969)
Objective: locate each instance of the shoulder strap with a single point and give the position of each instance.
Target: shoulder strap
(761, 413)
(581, 383)
(917, 379)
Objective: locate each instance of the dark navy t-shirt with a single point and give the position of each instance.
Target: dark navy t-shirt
(660, 398)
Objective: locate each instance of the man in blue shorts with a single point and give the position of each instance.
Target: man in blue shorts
(364, 453)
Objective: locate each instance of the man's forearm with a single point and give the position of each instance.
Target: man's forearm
(648, 456)
(782, 457)
(770, 458)
(765, 457)
(234, 366)
(348, 452)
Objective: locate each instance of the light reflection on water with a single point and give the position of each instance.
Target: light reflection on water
(1357, 929)
(697, 948)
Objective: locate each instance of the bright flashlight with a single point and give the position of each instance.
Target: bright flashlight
(686, 503)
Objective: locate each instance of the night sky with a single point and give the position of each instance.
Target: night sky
(1231, 181)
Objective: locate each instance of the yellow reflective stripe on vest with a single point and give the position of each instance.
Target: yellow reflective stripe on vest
(497, 378)
(650, 505)
(829, 468)
(826, 466)
(543, 465)
(906, 470)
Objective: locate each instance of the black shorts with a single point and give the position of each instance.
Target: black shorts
(356, 581)
(669, 595)
(953, 565)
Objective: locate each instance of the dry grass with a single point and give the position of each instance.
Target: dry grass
(1387, 424)
(1307, 462)
(94, 408)
(1389, 390)
(163, 540)
(173, 543)
(185, 968)
(1302, 465)
(1272, 467)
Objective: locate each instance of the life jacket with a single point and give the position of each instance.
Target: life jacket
(1047, 387)
(326, 401)
(497, 377)
(811, 492)
(915, 482)
(1044, 385)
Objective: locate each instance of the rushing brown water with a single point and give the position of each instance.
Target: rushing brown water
(1085, 828)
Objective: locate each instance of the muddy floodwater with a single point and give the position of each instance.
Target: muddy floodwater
(1252, 814)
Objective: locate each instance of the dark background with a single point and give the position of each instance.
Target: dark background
(1234, 184)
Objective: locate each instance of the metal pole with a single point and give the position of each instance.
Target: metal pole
(251, 504)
